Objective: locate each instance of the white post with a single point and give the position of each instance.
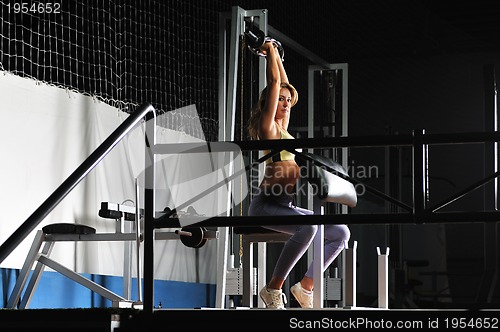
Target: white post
(350, 275)
(222, 263)
(383, 280)
(319, 280)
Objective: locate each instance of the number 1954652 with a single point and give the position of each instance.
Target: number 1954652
(34, 8)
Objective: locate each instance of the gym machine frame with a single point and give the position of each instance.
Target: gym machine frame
(417, 213)
(239, 18)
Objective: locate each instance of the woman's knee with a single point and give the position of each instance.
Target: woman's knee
(306, 233)
(337, 233)
(346, 233)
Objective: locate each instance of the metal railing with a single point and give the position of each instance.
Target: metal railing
(418, 213)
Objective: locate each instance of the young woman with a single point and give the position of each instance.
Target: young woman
(276, 191)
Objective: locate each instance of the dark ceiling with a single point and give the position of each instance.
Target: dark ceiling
(418, 27)
(345, 30)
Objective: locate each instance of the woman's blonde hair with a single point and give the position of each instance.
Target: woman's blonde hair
(253, 122)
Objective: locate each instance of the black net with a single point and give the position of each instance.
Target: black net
(125, 53)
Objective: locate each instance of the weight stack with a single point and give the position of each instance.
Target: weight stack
(234, 281)
(333, 289)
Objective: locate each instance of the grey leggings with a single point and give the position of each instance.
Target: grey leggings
(301, 236)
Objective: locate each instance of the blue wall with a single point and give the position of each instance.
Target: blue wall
(58, 291)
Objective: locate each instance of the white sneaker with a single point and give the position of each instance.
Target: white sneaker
(304, 297)
(273, 298)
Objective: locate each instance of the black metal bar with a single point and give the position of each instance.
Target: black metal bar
(418, 176)
(489, 279)
(464, 192)
(351, 141)
(368, 141)
(65, 188)
(462, 138)
(334, 219)
(149, 215)
(326, 142)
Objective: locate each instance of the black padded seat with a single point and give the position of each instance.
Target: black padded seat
(67, 228)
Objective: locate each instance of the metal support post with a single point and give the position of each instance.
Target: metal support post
(383, 278)
(350, 276)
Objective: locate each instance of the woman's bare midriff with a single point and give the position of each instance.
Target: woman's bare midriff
(281, 177)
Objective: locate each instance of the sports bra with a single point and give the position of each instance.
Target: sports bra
(284, 154)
